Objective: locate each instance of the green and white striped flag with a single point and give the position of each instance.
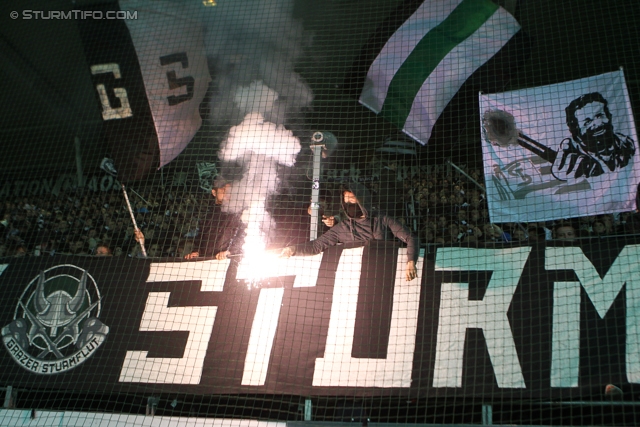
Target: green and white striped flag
(430, 56)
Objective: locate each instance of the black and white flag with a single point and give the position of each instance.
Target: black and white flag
(150, 73)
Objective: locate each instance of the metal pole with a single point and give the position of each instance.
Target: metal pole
(315, 191)
(308, 410)
(79, 170)
(141, 198)
(133, 218)
(465, 174)
(487, 415)
(9, 398)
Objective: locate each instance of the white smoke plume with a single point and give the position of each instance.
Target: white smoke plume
(253, 43)
(259, 147)
(252, 47)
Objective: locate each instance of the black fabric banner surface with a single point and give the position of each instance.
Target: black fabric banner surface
(521, 321)
(128, 126)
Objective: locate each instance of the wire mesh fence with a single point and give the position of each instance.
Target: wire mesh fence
(388, 212)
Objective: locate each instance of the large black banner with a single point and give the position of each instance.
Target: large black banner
(522, 321)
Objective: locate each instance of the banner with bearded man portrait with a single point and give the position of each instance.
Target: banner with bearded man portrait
(560, 151)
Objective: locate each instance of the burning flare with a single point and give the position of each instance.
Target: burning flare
(259, 147)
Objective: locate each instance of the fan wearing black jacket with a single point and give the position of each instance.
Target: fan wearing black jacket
(360, 224)
(222, 232)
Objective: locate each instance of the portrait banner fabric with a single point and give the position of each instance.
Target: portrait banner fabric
(426, 61)
(560, 151)
(542, 321)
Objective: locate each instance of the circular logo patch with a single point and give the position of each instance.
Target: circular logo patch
(56, 324)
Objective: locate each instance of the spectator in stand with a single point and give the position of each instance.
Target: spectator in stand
(494, 233)
(535, 233)
(93, 240)
(519, 235)
(598, 228)
(20, 251)
(456, 233)
(565, 232)
(222, 232)
(4, 224)
(441, 225)
(154, 250)
(631, 223)
(429, 235)
(585, 226)
(474, 234)
(463, 217)
(474, 216)
(609, 224)
(103, 250)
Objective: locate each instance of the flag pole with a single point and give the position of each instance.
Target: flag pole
(141, 198)
(467, 175)
(107, 165)
(133, 218)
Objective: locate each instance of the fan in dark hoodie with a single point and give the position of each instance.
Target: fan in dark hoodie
(360, 224)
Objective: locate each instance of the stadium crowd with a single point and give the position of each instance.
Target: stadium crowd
(454, 210)
(448, 209)
(88, 223)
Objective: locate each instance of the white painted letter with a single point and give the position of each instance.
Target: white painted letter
(565, 343)
(158, 317)
(603, 291)
(108, 112)
(265, 322)
(338, 368)
(457, 313)
(212, 273)
(263, 331)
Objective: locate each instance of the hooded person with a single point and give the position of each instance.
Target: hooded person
(222, 232)
(360, 223)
